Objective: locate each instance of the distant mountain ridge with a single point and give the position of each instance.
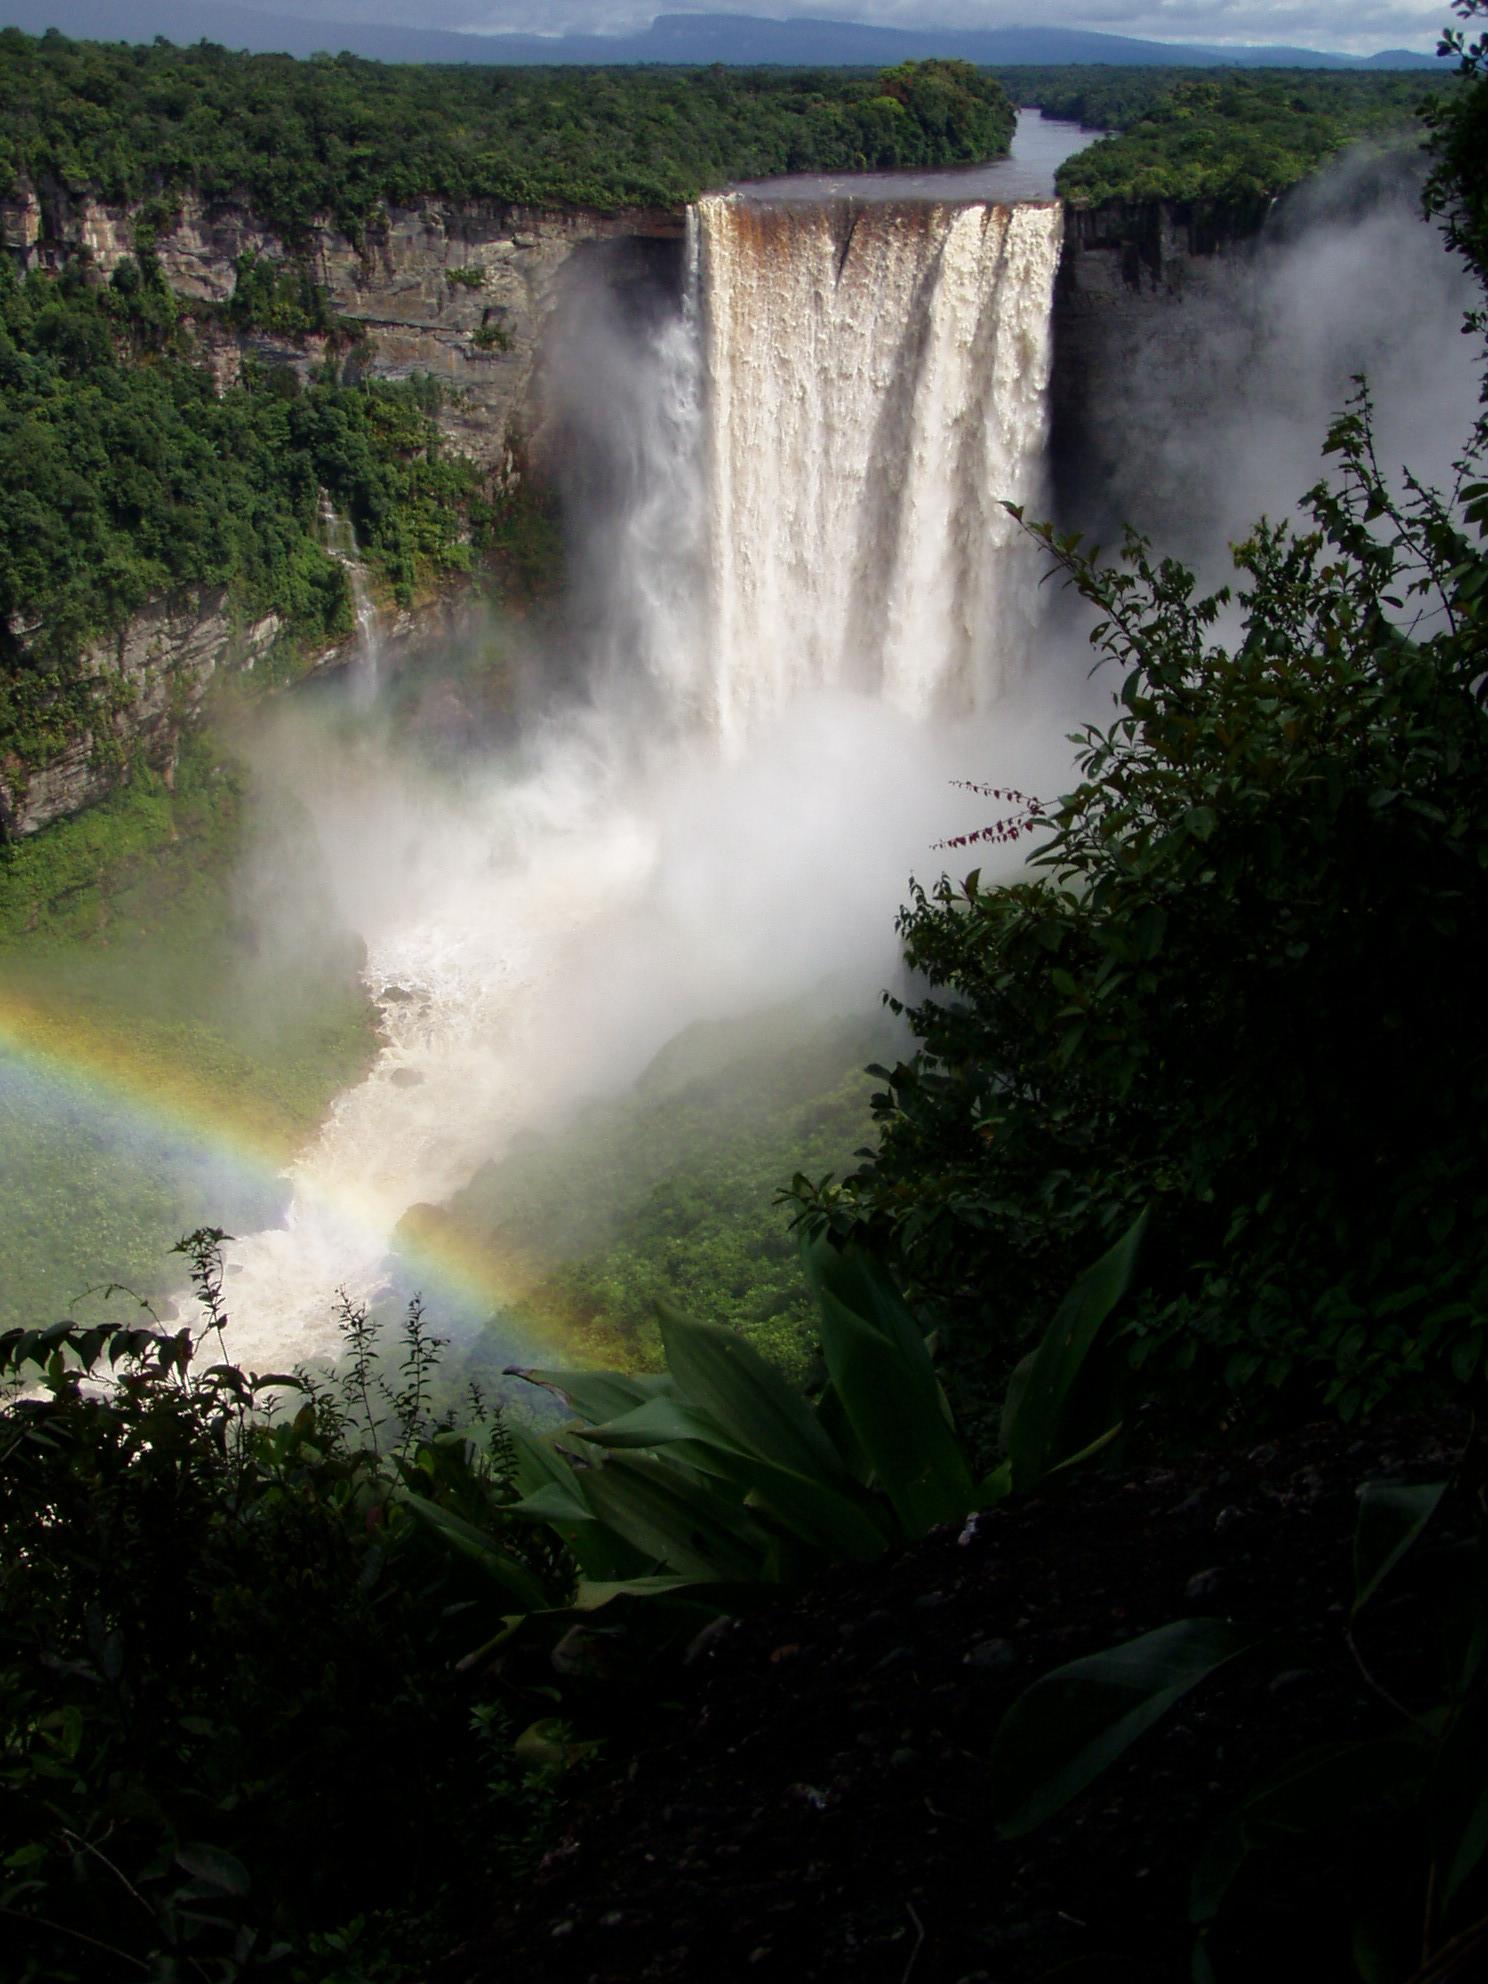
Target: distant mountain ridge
(682, 39)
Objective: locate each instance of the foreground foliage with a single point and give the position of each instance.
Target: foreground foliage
(1409, 1797)
(1239, 992)
(230, 1741)
(228, 1624)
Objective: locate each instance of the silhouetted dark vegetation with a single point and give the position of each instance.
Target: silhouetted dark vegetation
(231, 1741)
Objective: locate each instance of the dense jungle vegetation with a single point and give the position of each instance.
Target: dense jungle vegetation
(341, 138)
(1191, 1144)
(1230, 136)
(127, 474)
(667, 1193)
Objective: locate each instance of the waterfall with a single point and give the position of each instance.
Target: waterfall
(366, 659)
(793, 585)
(876, 384)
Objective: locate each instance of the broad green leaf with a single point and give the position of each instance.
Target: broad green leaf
(597, 1550)
(538, 1466)
(1391, 1517)
(1096, 1446)
(884, 1386)
(672, 1520)
(596, 1395)
(553, 1503)
(707, 1594)
(1458, 1799)
(514, 1578)
(1317, 1792)
(216, 1867)
(893, 1402)
(838, 1428)
(660, 1422)
(1060, 1734)
(862, 1284)
(819, 1513)
(1013, 1396)
(1032, 1427)
(815, 1513)
(726, 1377)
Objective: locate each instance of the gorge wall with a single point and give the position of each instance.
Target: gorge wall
(468, 296)
(464, 295)
(1127, 271)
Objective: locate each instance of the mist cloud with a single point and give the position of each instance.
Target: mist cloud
(1224, 419)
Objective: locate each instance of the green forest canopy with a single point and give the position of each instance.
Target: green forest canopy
(1219, 135)
(343, 137)
(128, 475)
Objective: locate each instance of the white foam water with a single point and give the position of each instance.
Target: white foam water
(811, 569)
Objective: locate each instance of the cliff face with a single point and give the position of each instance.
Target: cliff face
(1126, 272)
(424, 285)
(159, 669)
(468, 294)
(465, 295)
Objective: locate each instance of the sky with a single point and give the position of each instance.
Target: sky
(1345, 26)
(1356, 27)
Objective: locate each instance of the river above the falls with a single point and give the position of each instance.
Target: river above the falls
(1040, 146)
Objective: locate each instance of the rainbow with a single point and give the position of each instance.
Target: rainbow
(104, 1071)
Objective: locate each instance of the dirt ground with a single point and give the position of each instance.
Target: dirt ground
(808, 1797)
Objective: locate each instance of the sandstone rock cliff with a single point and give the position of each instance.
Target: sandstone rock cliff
(464, 294)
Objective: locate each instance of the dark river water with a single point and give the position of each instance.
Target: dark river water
(1040, 145)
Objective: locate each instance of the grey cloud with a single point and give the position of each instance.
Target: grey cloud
(1320, 24)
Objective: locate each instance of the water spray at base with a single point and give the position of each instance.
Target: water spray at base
(802, 616)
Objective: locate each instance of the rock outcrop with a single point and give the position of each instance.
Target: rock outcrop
(157, 671)
(1127, 269)
(464, 294)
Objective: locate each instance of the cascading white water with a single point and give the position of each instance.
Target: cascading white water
(877, 386)
(366, 658)
(810, 458)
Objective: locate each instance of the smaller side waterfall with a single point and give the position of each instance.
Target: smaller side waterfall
(340, 542)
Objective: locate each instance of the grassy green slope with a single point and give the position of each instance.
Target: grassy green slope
(156, 1066)
(667, 1192)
